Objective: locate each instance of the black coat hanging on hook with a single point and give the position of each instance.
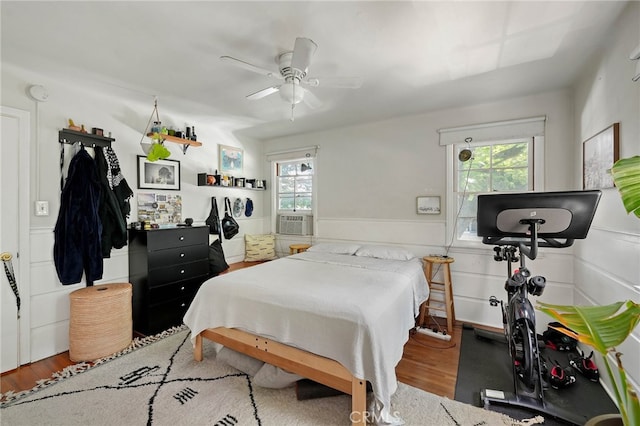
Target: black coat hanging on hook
(78, 230)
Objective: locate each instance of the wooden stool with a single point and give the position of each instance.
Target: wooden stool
(445, 305)
(101, 321)
(298, 248)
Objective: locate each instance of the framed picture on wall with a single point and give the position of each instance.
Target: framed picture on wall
(598, 155)
(230, 159)
(161, 174)
(428, 205)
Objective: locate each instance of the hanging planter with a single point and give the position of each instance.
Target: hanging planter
(155, 150)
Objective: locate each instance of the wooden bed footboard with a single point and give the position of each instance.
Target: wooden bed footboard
(315, 367)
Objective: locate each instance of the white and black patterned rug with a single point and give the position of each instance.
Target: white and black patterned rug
(158, 383)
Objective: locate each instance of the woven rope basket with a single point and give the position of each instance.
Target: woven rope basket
(101, 321)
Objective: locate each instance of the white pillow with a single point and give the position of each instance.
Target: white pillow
(385, 252)
(335, 248)
(270, 376)
(240, 361)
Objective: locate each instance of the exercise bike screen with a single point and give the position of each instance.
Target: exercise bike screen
(555, 220)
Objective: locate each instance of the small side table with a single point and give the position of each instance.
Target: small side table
(445, 287)
(298, 248)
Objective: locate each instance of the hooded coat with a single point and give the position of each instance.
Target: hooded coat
(78, 230)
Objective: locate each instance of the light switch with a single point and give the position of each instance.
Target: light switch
(42, 208)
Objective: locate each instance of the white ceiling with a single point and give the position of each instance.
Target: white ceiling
(413, 56)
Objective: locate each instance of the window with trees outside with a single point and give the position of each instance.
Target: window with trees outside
(295, 186)
(501, 166)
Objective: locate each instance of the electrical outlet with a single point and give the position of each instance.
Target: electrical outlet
(42, 208)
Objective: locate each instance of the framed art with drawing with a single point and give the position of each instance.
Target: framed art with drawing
(161, 174)
(230, 159)
(598, 155)
(428, 205)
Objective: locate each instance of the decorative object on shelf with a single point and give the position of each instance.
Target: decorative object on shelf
(428, 205)
(159, 209)
(599, 153)
(72, 126)
(230, 159)
(160, 174)
(159, 134)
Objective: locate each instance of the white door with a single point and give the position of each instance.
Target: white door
(14, 226)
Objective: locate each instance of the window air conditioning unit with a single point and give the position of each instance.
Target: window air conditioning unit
(290, 224)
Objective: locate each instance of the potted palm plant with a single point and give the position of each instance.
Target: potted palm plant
(626, 176)
(605, 327)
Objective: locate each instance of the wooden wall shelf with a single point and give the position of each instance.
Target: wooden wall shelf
(174, 139)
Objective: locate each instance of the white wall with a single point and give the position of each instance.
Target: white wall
(125, 114)
(369, 175)
(607, 264)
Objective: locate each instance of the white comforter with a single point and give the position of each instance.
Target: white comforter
(355, 310)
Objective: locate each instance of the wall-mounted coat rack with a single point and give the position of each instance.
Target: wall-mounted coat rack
(69, 136)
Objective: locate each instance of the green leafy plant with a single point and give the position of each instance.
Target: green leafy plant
(603, 328)
(626, 176)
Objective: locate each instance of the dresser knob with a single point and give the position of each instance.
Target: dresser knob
(181, 254)
(182, 288)
(182, 271)
(181, 238)
(183, 305)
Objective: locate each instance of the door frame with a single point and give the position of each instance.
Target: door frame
(21, 262)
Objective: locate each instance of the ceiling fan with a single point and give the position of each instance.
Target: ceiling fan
(293, 67)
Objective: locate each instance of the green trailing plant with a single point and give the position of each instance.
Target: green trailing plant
(603, 328)
(626, 176)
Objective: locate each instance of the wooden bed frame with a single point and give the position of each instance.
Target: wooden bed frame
(315, 367)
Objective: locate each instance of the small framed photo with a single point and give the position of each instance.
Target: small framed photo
(428, 205)
(230, 160)
(598, 155)
(161, 174)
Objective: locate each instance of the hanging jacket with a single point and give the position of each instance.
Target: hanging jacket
(118, 184)
(78, 230)
(114, 226)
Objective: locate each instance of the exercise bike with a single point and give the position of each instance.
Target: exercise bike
(517, 225)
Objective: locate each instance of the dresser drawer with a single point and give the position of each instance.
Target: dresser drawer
(173, 273)
(178, 255)
(161, 294)
(165, 315)
(161, 239)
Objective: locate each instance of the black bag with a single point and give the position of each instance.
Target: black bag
(229, 225)
(214, 219)
(217, 263)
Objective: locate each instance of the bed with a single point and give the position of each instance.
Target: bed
(337, 314)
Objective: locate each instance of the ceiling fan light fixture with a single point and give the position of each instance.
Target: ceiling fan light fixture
(292, 93)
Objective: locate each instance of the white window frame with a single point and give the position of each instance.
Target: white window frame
(277, 187)
(306, 153)
(482, 134)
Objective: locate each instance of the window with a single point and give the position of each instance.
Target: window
(294, 186)
(500, 166)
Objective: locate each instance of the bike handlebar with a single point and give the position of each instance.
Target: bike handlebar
(529, 246)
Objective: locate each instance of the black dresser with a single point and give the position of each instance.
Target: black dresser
(166, 268)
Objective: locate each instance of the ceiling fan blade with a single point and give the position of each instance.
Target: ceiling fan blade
(263, 93)
(302, 53)
(251, 67)
(310, 99)
(339, 82)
